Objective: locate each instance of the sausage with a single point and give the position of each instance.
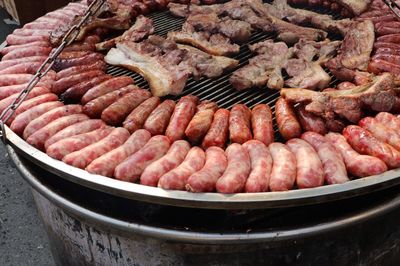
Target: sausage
(217, 135)
(176, 179)
(22, 120)
(311, 122)
(22, 68)
(8, 49)
(380, 131)
(74, 54)
(389, 120)
(41, 25)
(28, 104)
(105, 164)
(309, 167)
(138, 116)
(14, 79)
(95, 107)
(345, 86)
(31, 32)
(233, 180)
(174, 157)
(332, 161)
(261, 165)
(75, 129)
(118, 111)
(63, 147)
(386, 45)
(132, 168)
(26, 52)
(98, 65)
(364, 142)
(50, 116)
(106, 87)
(391, 58)
(391, 38)
(80, 47)
(38, 138)
(240, 124)
(75, 93)
(63, 84)
(388, 51)
(283, 172)
(13, 39)
(356, 164)
(378, 66)
(85, 156)
(183, 113)
(61, 64)
(10, 63)
(205, 179)
(158, 120)
(201, 122)
(288, 124)
(261, 123)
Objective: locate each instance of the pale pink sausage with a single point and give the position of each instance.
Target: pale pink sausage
(37, 91)
(38, 138)
(381, 131)
(205, 179)
(389, 120)
(236, 173)
(261, 165)
(356, 164)
(7, 91)
(176, 179)
(14, 79)
(174, 157)
(22, 120)
(105, 164)
(50, 116)
(332, 161)
(131, 169)
(309, 166)
(63, 147)
(283, 172)
(84, 157)
(27, 52)
(75, 129)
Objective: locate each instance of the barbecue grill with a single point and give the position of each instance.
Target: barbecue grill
(92, 218)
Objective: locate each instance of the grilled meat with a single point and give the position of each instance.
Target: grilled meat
(347, 8)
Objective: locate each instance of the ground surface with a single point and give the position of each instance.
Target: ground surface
(23, 240)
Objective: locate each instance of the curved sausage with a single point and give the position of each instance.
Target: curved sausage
(174, 157)
(283, 172)
(138, 116)
(286, 119)
(309, 166)
(158, 120)
(237, 171)
(363, 142)
(75, 93)
(261, 165)
(131, 169)
(380, 131)
(217, 135)
(63, 84)
(201, 121)
(311, 122)
(63, 147)
(85, 156)
(105, 164)
(356, 164)
(176, 178)
(332, 161)
(240, 124)
(261, 123)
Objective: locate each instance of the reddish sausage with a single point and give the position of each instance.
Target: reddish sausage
(388, 45)
(61, 64)
(7, 91)
(240, 124)
(379, 66)
(27, 52)
(217, 135)
(183, 113)
(391, 38)
(201, 122)
(118, 111)
(131, 169)
(391, 58)
(75, 93)
(237, 171)
(286, 119)
(63, 147)
(105, 164)
(283, 172)
(8, 49)
(388, 51)
(85, 156)
(63, 84)
(138, 116)
(363, 142)
(261, 165)
(176, 179)
(22, 68)
(309, 166)
(158, 120)
(14, 79)
(98, 65)
(261, 123)
(356, 164)
(75, 129)
(332, 161)
(380, 131)
(310, 122)
(205, 179)
(174, 157)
